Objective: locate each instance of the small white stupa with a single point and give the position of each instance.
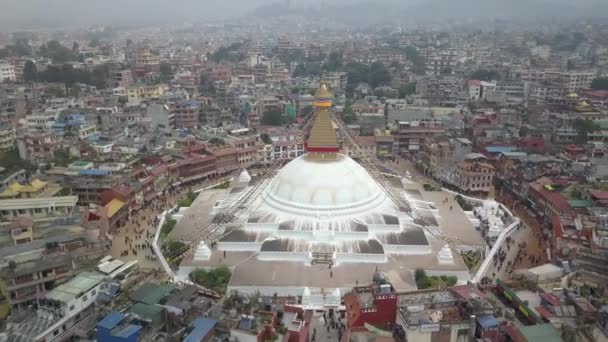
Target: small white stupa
(445, 255)
(244, 178)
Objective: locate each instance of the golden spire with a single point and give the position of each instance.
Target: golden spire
(322, 135)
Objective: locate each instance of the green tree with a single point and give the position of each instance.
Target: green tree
(583, 128)
(62, 158)
(334, 62)
(523, 131)
(406, 90)
(378, 75)
(216, 141)
(216, 279)
(75, 47)
(419, 65)
(266, 138)
(166, 72)
(348, 116)
(599, 84)
(57, 52)
(300, 70)
(55, 91)
(273, 117)
(69, 77)
(30, 72)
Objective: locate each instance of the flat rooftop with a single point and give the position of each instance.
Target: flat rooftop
(75, 287)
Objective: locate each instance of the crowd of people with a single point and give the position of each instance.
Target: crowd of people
(135, 239)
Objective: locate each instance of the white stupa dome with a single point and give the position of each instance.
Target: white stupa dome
(311, 186)
(244, 177)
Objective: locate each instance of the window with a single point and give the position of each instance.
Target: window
(84, 298)
(71, 307)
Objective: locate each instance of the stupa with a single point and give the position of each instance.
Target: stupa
(324, 207)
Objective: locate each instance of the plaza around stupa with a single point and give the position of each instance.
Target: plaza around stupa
(322, 224)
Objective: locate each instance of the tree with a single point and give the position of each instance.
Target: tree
(523, 131)
(411, 53)
(55, 91)
(407, 89)
(599, 84)
(216, 141)
(57, 52)
(485, 75)
(266, 138)
(216, 279)
(69, 77)
(273, 117)
(334, 61)
(30, 72)
(378, 75)
(166, 72)
(300, 70)
(583, 128)
(75, 47)
(348, 116)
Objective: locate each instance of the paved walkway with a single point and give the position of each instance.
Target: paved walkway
(133, 241)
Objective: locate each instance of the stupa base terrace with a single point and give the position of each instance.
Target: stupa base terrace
(288, 253)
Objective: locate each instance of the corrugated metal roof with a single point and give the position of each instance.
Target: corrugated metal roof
(111, 320)
(202, 326)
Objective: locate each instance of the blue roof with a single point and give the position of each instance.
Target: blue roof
(94, 172)
(111, 320)
(128, 331)
(487, 321)
(93, 137)
(202, 326)
(500, 149)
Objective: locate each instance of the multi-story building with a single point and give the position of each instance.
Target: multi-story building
(375, 305)
(186, 114)
(226, 160)
(88, 185)
(7, 138)
(436, 155)
(139, 92)
(39, 145)
(38, 207)
(410, 135)
(246, 148)
(438, 62)
(29, 277)
(196, 163)
(7, 72)
(122, 78)
(474, 175)
(575, 80)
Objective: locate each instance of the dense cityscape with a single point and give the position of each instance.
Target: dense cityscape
(306, 173)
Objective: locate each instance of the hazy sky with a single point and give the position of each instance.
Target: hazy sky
(20, 13)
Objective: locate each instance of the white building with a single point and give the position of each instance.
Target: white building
(7, 72)
(575, 80)
(7, 139)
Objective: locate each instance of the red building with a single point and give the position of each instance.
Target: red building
(297, 322)
(375, 304)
